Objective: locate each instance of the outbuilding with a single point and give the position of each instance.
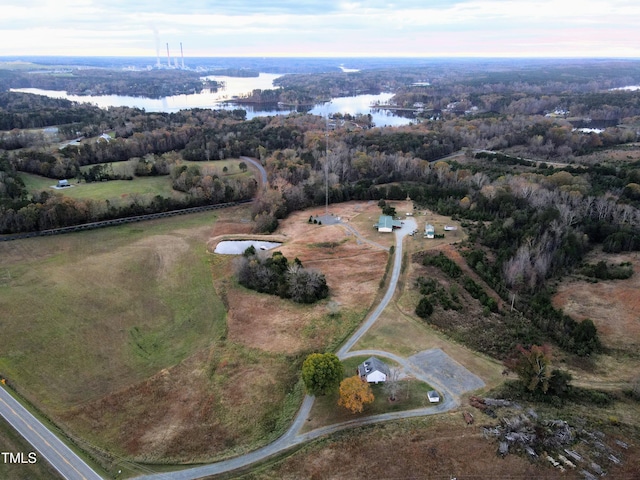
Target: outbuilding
(386, 224)
(63, 183)
(429, 231)
(373, 370)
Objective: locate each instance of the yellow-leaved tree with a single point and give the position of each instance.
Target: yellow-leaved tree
(355, 393)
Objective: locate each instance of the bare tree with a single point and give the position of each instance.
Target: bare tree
(392, 385)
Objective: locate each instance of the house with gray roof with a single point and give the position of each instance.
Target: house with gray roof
(373, 370)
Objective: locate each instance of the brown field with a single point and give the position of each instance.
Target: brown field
(440, 447)
(613, 305)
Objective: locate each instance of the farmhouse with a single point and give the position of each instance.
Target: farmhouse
(429, 231)
(373, 370)
(386, 224)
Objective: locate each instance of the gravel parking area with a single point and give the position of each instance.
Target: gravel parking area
(437, 364)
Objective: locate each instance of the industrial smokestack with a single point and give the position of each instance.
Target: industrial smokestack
(182, 55)
(168, 56)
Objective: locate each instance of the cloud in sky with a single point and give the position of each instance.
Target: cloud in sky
(322, 28)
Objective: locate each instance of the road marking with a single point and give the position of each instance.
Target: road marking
(53, 449)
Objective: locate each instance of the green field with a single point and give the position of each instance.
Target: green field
(115, 189)
(85, 314)
(127, 190)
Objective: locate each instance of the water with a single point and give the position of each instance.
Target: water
(237, 87)
(237, 247)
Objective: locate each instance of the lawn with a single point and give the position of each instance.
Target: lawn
(412, 394)
(113, 190)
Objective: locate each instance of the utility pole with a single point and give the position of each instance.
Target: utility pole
(326, 167)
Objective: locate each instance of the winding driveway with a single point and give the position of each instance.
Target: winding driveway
(419, 366)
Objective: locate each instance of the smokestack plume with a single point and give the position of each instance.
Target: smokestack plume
(155, 35)
(182, 55)
(168, 56)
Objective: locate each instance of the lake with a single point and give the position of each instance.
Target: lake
(237, 87)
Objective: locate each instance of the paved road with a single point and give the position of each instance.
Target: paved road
(256, 163)
(50, 447)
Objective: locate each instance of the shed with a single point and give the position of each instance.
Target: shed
(429, 231)
(373, 370)
(63, 183)
(386, 224)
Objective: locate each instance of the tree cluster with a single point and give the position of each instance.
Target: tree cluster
(276, 276)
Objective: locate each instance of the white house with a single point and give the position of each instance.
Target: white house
(373, 370)
(429, 231)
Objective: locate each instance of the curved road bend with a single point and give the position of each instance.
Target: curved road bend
(62, 458)
(256, 163)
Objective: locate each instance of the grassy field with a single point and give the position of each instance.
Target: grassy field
(115, 189)
(412, 394)
(126, 190)
(122, 337)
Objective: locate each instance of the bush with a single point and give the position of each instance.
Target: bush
(424, 308)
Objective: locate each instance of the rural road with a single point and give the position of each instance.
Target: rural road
(66, 462)
(256, 163)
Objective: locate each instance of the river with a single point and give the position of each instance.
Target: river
(236, 87)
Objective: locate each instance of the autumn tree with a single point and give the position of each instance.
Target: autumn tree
(321, 373)
(533, 366)
(355, 393)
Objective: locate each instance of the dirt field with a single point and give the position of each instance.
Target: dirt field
(613, 305)
(353, 271)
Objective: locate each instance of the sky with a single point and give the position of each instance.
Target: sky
(324, 28)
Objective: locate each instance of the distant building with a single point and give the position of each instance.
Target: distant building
(373, 370)
(63, 183)
(429, 231)
(433, 396)
(386, 224)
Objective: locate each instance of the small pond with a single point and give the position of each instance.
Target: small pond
(237, 247)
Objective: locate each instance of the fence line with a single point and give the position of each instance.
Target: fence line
(119, 221)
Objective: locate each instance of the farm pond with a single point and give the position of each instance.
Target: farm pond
(237, 247)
